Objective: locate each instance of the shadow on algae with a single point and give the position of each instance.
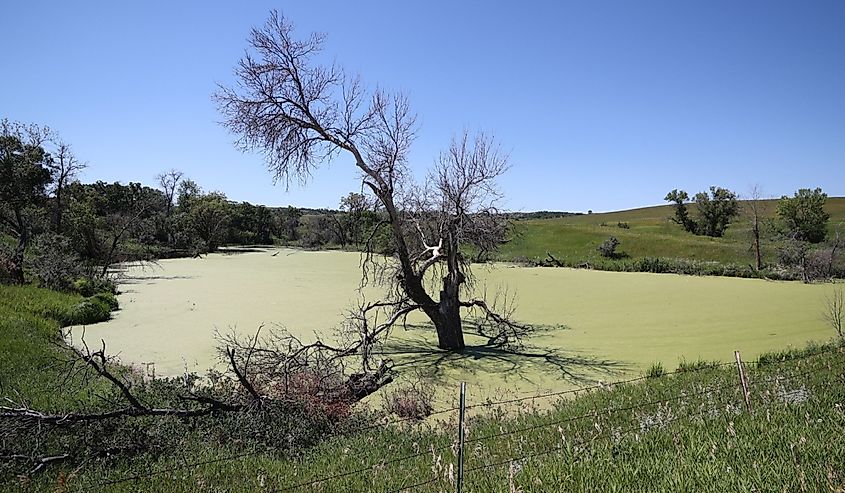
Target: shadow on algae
(486, 353)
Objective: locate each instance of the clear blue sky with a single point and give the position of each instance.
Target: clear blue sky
(603, 105)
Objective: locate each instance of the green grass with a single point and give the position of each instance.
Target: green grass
(573, 240)
(31, 354)
(683, 432)
(30, 318)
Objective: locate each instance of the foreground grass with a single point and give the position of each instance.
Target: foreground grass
(688, 431)
(650, 233)
(30, 319)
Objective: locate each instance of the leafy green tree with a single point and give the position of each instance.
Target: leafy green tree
(359, 216)
(242, 224)
(716, 211)
(24, 176)
(315, 230)
(263, 225)
(803, 216)
(679, 198)
(209, 218)
(112, 222)
(287, 223)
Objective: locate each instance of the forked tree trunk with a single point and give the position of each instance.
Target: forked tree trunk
(16, 270)
(447, 322)
(450, 334)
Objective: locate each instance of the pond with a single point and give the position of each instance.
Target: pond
(591, 324)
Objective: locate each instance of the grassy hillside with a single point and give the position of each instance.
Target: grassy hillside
(574, 239)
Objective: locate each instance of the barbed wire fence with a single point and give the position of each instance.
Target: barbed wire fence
(452, 479)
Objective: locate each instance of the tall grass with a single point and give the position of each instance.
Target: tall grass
(684, 432)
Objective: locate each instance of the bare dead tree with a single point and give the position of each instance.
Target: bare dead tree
(834, 310)
(85, 365)
(101, 365)
(753, 208)
(832, 251)
(169, 181)
(119, 226)
(65, 168)
(299, 113)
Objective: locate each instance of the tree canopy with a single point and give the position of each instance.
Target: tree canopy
(299, 113)
(803, 215)
(715, 210)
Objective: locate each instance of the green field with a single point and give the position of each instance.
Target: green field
(574, 239)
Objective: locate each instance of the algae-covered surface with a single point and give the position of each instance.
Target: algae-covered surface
(591, 324)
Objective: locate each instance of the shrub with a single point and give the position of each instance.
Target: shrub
(108, 298)
(655, 370)
(87, 286)
(89, 311)
(812, 348)
(53, 262)
(700, 364)
(608, 248)
(411, 400)
(623, 225)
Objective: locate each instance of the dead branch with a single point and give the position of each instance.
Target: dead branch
(497, 323)
(98, 361)
(834, 311)
(39, 463)
(242, 375)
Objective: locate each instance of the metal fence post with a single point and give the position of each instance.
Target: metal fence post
(461, 437)
(742, 381)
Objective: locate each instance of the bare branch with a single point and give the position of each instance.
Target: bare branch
(241, 375)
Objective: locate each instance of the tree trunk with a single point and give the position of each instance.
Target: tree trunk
(16, 270)
(450, 334)
(757, 246)
(447, 321)
(58, 211)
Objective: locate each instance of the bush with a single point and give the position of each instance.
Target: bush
(88, 287)
(412, 401)
(656, 370)
(108, 298)
(53, 263)
(608, 248)
(89, 311)
(623, 225)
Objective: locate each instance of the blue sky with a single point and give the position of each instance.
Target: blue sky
(603, 105)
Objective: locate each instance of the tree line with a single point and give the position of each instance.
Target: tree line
(56, 230)
(798, 232)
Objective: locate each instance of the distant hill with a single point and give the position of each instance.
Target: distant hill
(643, 232)
(541, 214)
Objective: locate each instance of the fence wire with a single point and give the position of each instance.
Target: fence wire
(593, 414)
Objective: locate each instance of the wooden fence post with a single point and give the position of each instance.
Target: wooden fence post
(742, 381)
(461, 437)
